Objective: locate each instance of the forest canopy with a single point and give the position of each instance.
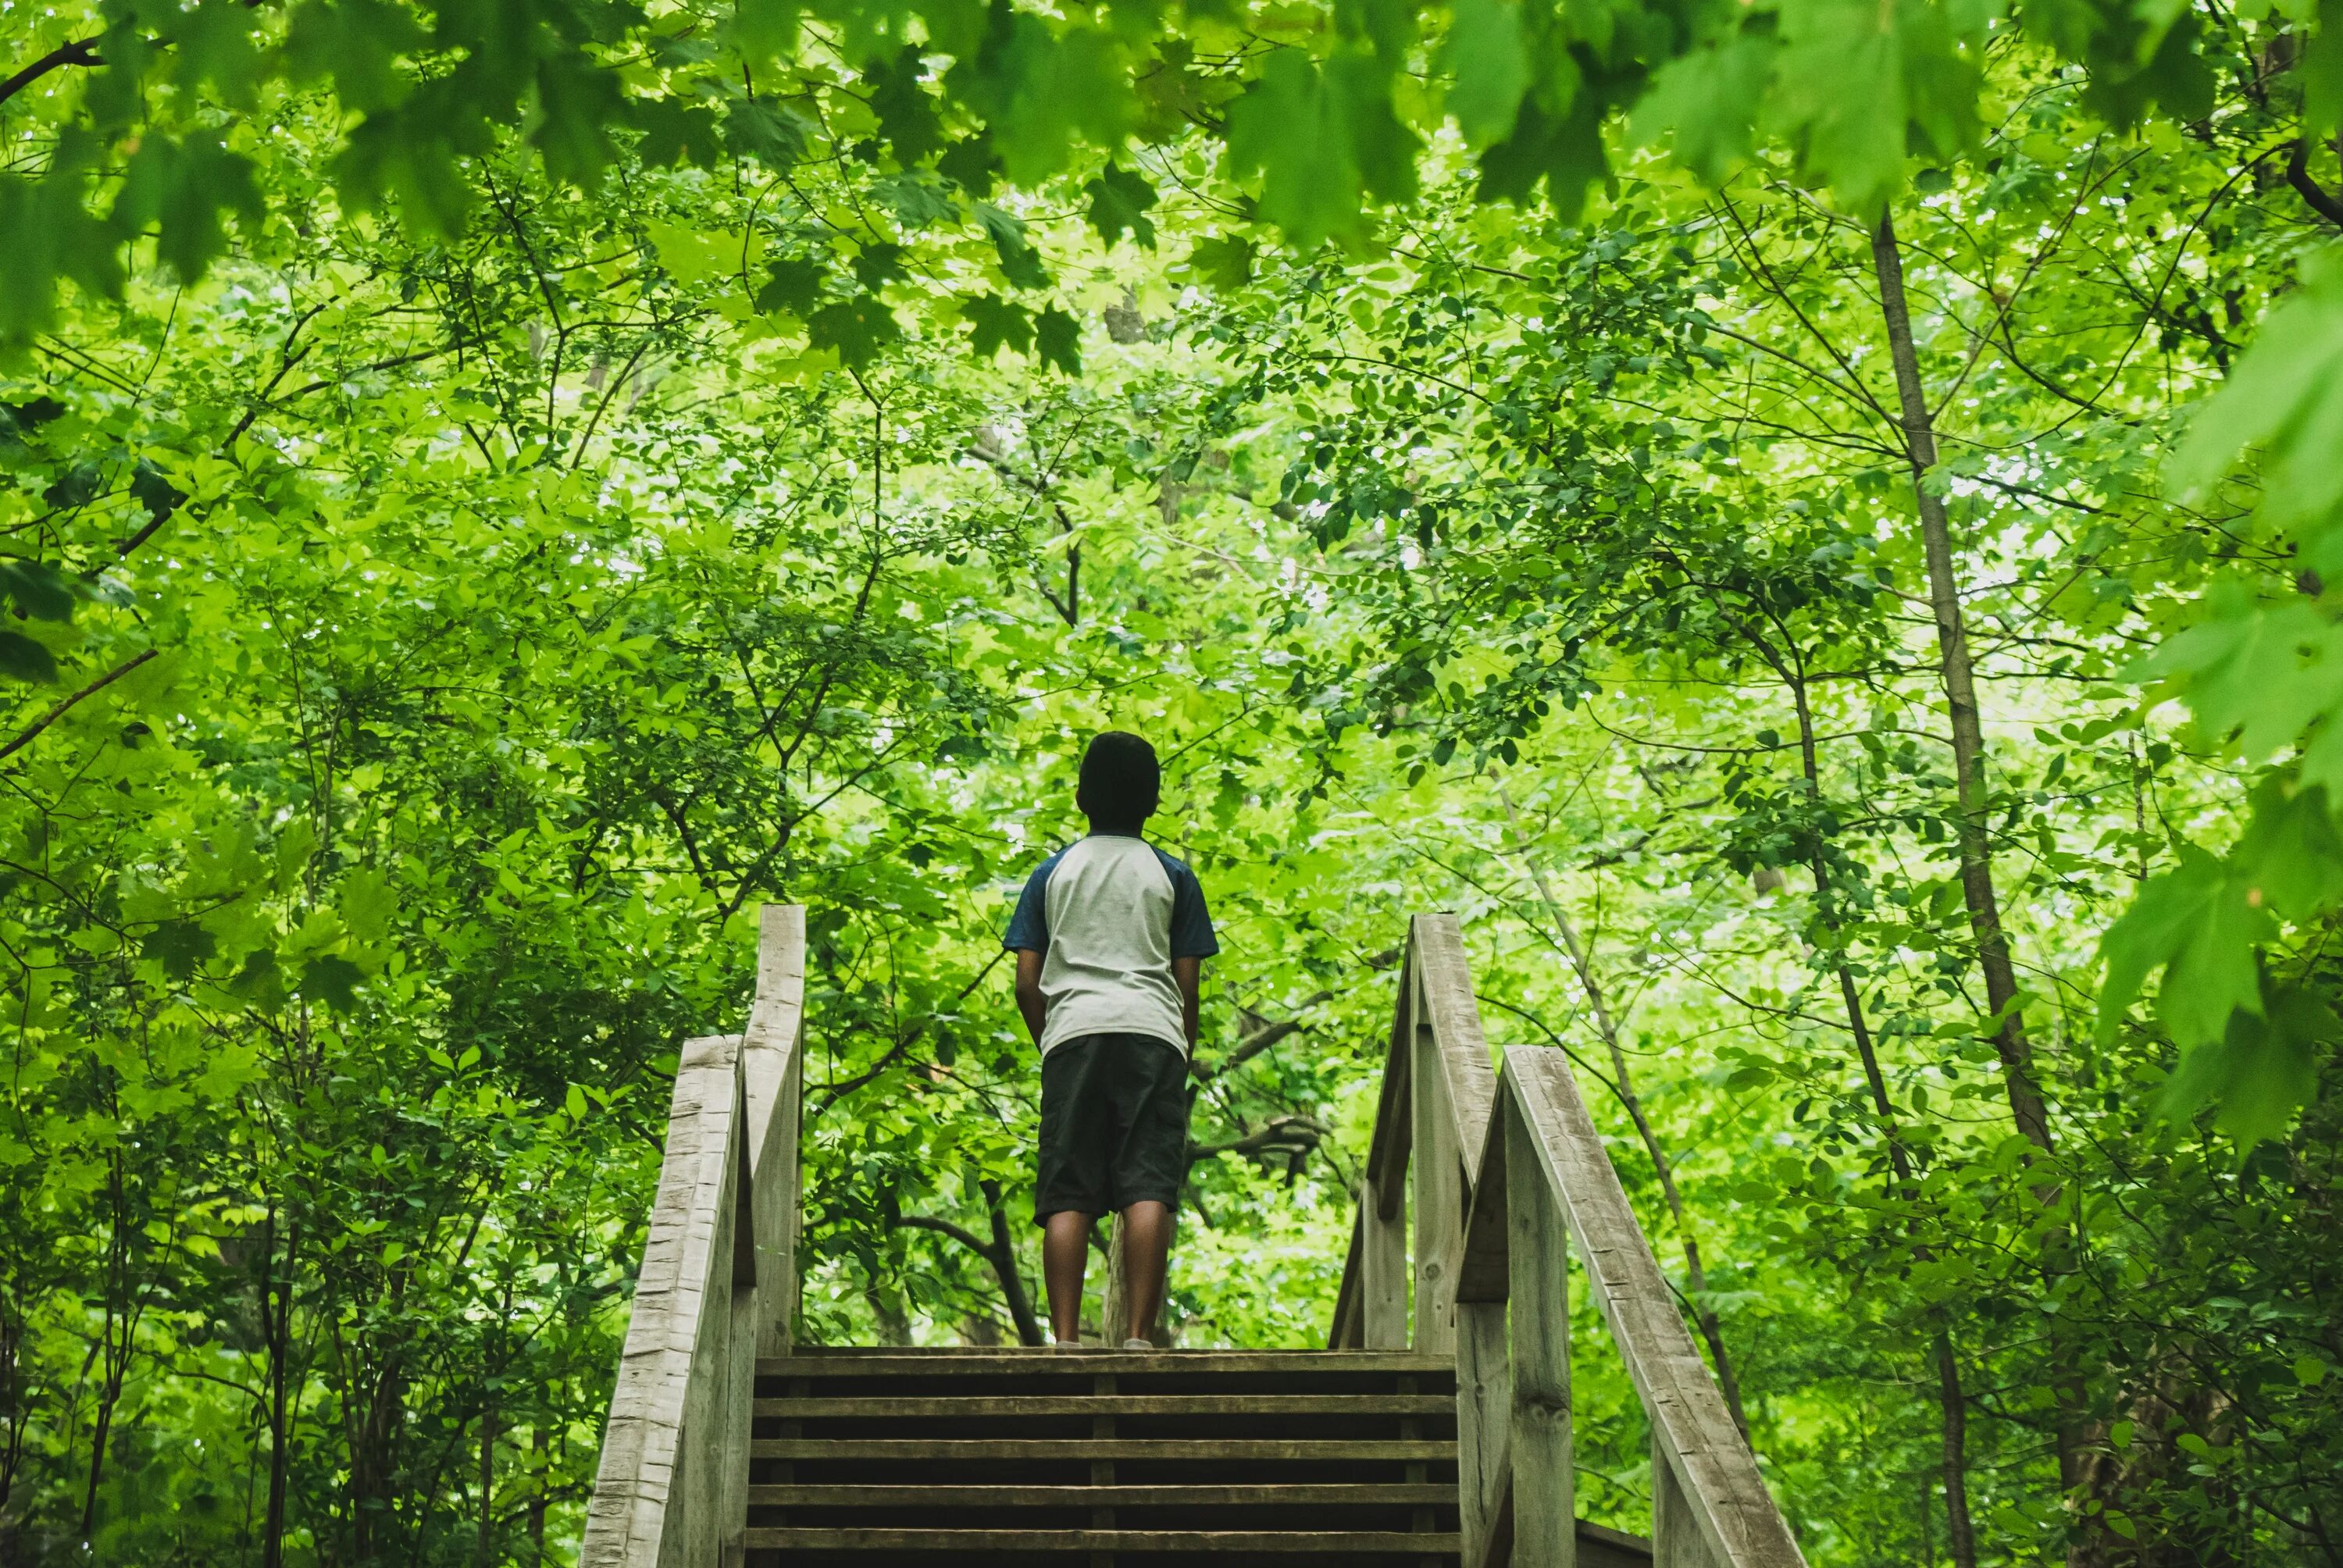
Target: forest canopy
(1809, 523)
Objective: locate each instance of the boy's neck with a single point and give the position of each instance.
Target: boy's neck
(1116, 830)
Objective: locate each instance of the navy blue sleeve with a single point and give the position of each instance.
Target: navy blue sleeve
(1191, 923)
(1029, 928)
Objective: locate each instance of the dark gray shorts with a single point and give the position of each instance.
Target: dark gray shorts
(1114, 1125)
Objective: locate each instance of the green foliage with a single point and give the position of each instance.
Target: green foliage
(493, 495)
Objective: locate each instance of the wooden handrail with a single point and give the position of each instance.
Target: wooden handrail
(1508, 1175)
(717, 1286)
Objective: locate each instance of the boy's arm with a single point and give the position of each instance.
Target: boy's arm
(1033, 1004)
(1187, 974)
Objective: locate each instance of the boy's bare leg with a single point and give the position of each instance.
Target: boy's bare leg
(1146, 1256)
(1065, 1248)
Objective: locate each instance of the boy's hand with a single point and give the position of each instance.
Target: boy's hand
(1035, 1007)
(1188, 975)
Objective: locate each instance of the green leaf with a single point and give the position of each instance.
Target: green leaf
(2286, 396)
(180, 947)
(2310, 1371)
(906, 110)
(37, 588)
(578, 104)
(792, 284)
(2290, 857)
(1057, 340)
(675, 133)
(2322, 72)
(1490, 58)
(332, 980)
(1119, 204)
(1040, 88)
(1323, 139)
(970, 163)
(1020, 264)
(367, 903)
(2259, 1072)
(857, 329)
(2261, 675)
(878, 263)
(1563, 150)
(998, 324)
(1223, 263)
(358, 44)
(26, 660)
(1707, 102)
(2196, 922)
(775, 138)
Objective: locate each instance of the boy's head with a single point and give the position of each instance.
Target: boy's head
(1121, 782)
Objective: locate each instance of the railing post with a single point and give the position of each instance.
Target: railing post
(1439, 1188)
(1383, 1272)
(772, 1061)
(1537, 1270)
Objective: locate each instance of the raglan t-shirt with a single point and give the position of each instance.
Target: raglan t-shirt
(1108, 914)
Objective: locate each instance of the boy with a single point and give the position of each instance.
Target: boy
(1111, 939)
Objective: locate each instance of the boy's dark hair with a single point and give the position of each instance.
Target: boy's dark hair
(1121, 783)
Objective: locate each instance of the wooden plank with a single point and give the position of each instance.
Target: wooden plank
(1599, 1547)
(1537, 1267)
(973, 1361)
(1453, 1016)
(1389, 1147)
(1484, 1407)
(1438, 1197)
(1296, 1541)
(889, 1407)
(1297, 1494)
(1735, 1514)
(772, 1072)
(1676, 1539)
(660, 1496)
(1085, 1448)
(1347, 1327)
(1382, 1278)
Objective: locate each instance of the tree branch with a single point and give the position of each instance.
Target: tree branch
(54, 714)
(80, 52)
(2323, 202)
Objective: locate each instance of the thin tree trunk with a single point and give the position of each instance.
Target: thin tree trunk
(537, 1503)
(2026, 1103)
(1004, 1266)
(1789, 663)
(488, 1547)
(276, 1317)
(1960, 698)
(1695, 1275)
(1960, 1536)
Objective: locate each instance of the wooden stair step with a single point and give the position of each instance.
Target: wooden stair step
(876, 1407)
(1256, 1449)
(898, 1361)
(893, 1540)
(1300, 1493)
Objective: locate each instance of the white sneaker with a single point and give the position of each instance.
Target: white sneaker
(1065, 1344)
(1139, 1345)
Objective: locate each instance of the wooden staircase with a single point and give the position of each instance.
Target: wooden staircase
(1436, 1428)
(890, 1456)
(1042, 1456)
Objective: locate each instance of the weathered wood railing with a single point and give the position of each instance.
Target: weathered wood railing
(717, 1287)
(1507, 1173)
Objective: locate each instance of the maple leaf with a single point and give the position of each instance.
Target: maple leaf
(1119, 203)
(1058, 340)
(998, 324)
(857, 328)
